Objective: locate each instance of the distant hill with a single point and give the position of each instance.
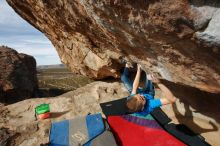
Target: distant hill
(51, 66)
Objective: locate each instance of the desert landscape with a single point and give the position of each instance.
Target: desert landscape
(54, 80)
(176, 40)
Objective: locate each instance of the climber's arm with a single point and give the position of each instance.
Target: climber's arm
(167, 95)
(136, 80)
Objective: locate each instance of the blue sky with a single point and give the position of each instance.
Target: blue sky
(21, 36)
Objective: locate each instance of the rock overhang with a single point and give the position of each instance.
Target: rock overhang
(178, 40)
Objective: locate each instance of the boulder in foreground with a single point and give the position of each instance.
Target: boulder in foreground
(18, 76)
(201, 117)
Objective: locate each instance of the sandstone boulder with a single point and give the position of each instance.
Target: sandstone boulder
(19, 118)
(198, 112)
(18, 75)
(177, 39)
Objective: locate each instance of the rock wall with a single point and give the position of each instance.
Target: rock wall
(200, 112)
(18, 76)
(177, 39)
(31, 132)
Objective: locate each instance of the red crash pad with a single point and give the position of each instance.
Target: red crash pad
(131, 130)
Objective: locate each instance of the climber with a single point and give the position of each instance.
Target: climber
(141, 100)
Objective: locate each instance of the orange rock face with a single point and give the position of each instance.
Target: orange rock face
(168, 36)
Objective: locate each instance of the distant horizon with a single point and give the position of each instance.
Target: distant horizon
(25, 38)
(51, 64)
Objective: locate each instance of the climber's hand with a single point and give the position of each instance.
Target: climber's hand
(139, 66)
(155, 79)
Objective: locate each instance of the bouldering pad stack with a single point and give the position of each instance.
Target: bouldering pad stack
(122, 129)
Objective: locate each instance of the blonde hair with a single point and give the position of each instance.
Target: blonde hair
(133, 104)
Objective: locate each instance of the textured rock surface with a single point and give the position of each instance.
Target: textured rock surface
(7, 137)
(178, 39)
(202, 116)
(197, 109)
(80, 102)
(210, 14)
(18, 75)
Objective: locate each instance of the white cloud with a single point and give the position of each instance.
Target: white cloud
(21, 36)
(10, 17)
